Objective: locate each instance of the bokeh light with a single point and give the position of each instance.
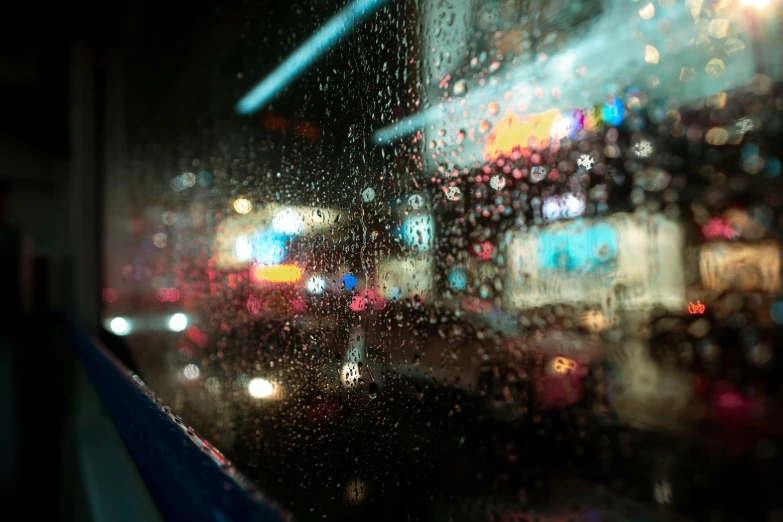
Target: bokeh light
(178, 322)
(316, 285)
(260, 388)
(120, 326)
(242, 205)
(288, 222)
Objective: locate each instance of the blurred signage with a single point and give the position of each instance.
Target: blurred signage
(620, 262)
(538, 131)
(743, 267)
(512, 134)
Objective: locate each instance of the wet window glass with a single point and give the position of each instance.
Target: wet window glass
(460, 260)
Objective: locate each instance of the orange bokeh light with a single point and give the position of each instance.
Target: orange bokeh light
(277, 273)
(697, 308)
(511, 134)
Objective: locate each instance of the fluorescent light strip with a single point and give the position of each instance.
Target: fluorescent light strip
(340, 25)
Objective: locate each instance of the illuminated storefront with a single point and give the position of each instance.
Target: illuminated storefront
(616, 263)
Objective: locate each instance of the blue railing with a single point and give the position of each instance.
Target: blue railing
(188, 478)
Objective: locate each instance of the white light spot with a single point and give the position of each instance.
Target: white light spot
(178, 322)
(316, 284)
(188, 179)
(497, 182)
(452, 193)
(191, 372)
(244, 249)
(260, 388)
(755, 3)
(744, 125)
(572, 205)
(643, 149)
(368, 194)
(552, 208)
(288, 221)
(120, 326)
(586, 161)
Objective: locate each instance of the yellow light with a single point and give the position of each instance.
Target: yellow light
(512, 134)
(755, 3)
(242, 205)
(260, 388)
(277, 273)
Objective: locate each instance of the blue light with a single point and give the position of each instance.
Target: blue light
(614, 112)
(394, 294)
(348, 281)
(458, 279)
(575, 248)
(269, 248)
(418, 231)
(335, 29)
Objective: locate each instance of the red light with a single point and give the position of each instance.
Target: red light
(720, 228)
(484, 250)
(168, 295)
(196, 336)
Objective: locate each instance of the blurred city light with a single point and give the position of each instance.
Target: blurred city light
(260, 388)
(268, 247)
(418, 232)
(191, 372)
(178, 322)
(277, 274)
(614, 112)
(458, 279)
(316, 284)
(349, 373)
(288, 222)
(242, 205)
(334, 30)
(348, 281)
(120, 326)
(244, 249)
